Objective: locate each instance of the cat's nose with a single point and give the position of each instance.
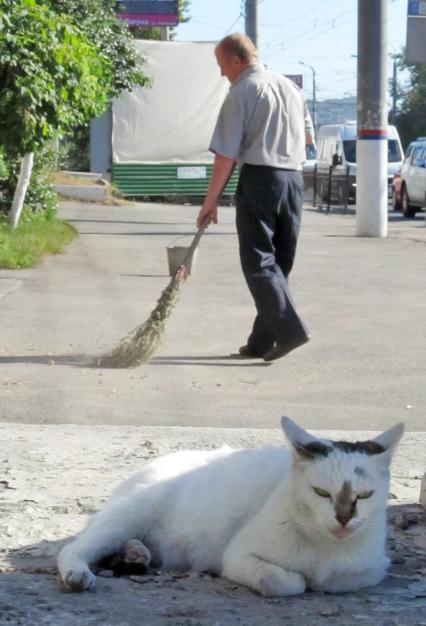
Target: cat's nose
(343, 518)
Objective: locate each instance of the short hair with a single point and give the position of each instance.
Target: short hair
(238, 45)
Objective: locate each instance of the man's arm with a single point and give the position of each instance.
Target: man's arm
(221, 173)
(309, 138)
(309, 127)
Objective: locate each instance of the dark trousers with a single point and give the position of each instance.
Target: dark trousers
(269, 206)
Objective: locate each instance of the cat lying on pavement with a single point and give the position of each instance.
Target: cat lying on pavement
(278, 521)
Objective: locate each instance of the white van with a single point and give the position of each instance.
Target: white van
(336, 147)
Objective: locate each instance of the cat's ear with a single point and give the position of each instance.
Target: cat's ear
(305, 444)
(388, 440)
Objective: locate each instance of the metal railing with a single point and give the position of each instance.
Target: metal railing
(329, 188)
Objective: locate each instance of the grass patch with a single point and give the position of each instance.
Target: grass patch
(30, 242)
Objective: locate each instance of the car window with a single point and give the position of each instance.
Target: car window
(394, 151)
(416, 154)
(408, 152)
(349, 147)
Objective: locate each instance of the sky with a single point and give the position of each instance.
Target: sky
(321, 33)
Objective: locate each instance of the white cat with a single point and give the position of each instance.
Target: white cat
(274, 520)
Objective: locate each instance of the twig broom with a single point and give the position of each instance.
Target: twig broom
(138, 346)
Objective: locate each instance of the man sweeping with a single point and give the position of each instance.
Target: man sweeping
(263, 126)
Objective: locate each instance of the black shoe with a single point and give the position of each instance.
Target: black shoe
(250, 353)
(281, 350)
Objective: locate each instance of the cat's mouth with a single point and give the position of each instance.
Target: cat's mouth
(342, 532)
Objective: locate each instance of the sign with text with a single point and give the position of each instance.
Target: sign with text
(416, 32)
(189, 172)
(296, 78)
(148, 12)
(417, 8)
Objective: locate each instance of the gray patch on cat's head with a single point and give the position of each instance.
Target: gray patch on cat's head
(315, 449)
(359, 471)
(312, 449)
(364, 447)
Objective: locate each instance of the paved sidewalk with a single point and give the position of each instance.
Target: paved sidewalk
(363, 300)
(70, 433)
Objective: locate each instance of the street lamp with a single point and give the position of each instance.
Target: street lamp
(314, 98)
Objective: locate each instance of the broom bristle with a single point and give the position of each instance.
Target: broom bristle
(139, 345)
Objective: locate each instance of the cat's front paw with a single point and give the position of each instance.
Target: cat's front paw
(275, 581)
(78, 578)
(351, 581)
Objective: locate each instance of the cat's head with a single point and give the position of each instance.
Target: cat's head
(339, 486)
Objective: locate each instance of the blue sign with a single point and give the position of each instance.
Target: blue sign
(148, 12)
(417, 8)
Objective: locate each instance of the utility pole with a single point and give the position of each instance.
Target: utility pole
(252, 20)
(372, 153)
(394, 91)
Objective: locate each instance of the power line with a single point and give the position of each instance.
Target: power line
(197, 21)
(319, 5)
(233, 24)
(296, 34)
(312, 16)
(289, 42)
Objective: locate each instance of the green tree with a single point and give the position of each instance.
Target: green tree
(111, 37)
(51, 79)
(411, 115)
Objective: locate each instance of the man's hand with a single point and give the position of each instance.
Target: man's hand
(207, 212)
(222, 170)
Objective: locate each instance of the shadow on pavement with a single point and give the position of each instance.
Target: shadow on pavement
(209, 360)
(78, 360)
(89, 361)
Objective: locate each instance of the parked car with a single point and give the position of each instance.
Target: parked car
(409, 184)
(336, 144)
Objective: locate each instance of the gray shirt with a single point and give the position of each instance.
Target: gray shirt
(263, 121)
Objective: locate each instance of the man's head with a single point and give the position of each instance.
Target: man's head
(234, 54)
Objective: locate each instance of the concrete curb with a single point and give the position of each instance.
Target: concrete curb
(88, 193)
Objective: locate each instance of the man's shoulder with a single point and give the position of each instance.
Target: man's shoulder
(262, 76)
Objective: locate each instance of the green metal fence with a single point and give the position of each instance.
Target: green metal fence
(166, 179)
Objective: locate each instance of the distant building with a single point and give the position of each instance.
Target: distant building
(334, 110)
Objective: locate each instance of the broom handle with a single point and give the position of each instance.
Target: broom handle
(195, 241)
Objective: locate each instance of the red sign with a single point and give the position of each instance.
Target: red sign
(148, 12)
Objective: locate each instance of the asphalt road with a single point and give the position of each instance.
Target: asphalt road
(362, 298)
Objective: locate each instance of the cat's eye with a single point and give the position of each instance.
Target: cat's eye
(321, 492)
(363, 495)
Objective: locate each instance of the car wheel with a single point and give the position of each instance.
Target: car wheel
(408, 210)
(396, 202)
